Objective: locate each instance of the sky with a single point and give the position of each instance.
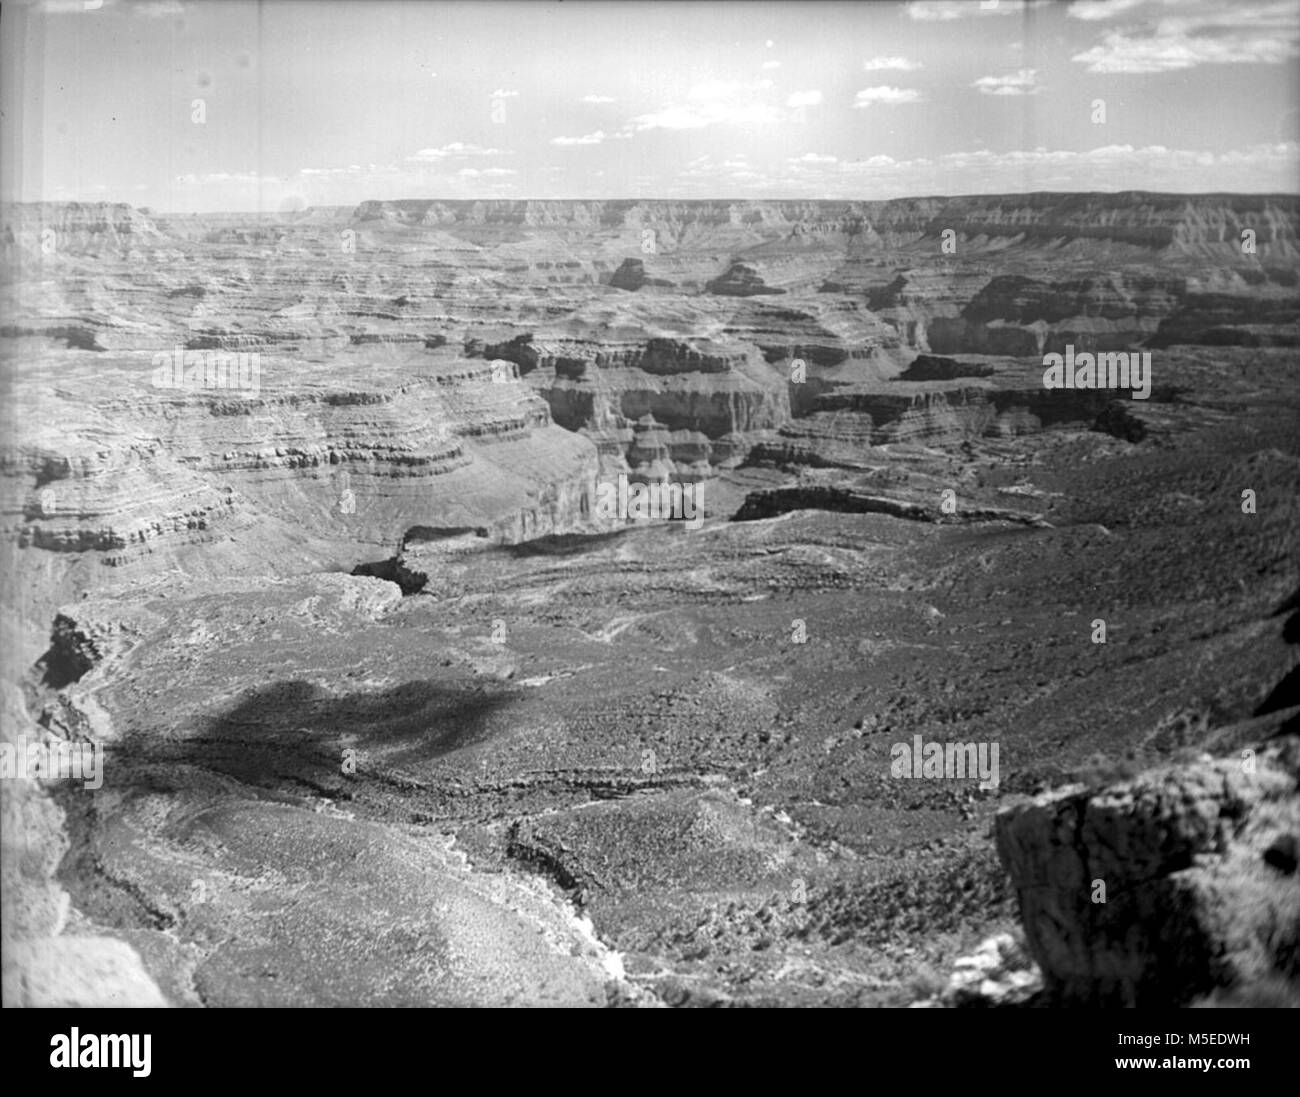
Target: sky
(215, 105)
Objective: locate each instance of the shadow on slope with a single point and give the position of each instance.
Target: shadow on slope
(295, 733)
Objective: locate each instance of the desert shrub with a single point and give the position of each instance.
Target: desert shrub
(925, 982)
(1270, 992)
(1099, 771)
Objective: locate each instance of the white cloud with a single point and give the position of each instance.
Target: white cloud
(1195, 32)
(65, 7)
(737, 169)
(895, 64)
(457, 149)
(1024, 82)
(771, 65)
(804, 99)
(157, 9)
(697, 117)
(204, 178)
(1100, 9)
(1118, 167)
(1120, 53)
(943, 11)
(714, 102)
(886, 95)
(502, 93)
(1111, 168)
(588, 139)
(597, 99)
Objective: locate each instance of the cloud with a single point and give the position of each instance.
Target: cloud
(812, 174)
(697, 117)
(1120, 53)
(597, 99)
(804, 99)
(712, 103)
(943, 11)
(204, 178)
(672, 118)
(735, 169)
(457, 149)
(1101, 9)
(589, 139)
(885, 64)
(886, 95)
(1267, 167)
(67, 7)
(157, 9)
(1193, 33)
(1110, 168)
(771, 65)
(501, 93)
(1024, 82)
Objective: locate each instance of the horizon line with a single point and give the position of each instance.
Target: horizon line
(644, 198)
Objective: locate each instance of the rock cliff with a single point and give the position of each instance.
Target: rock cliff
(1155, 891)
(387, 441)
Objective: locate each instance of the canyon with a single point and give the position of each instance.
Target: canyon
(395, 714)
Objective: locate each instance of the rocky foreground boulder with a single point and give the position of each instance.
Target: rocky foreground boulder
(1157, 890)
(47, 956)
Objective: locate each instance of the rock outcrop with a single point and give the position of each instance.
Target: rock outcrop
(47, 961)
(933, 367)
(631, 275)
(395, 438)
(1157, 890)
(997, 974)
(741, 280)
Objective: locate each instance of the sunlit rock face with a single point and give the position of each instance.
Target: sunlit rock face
(125, 466)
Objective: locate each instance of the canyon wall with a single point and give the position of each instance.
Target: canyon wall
(113, 464)
(653, 338)
(1140, 219)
